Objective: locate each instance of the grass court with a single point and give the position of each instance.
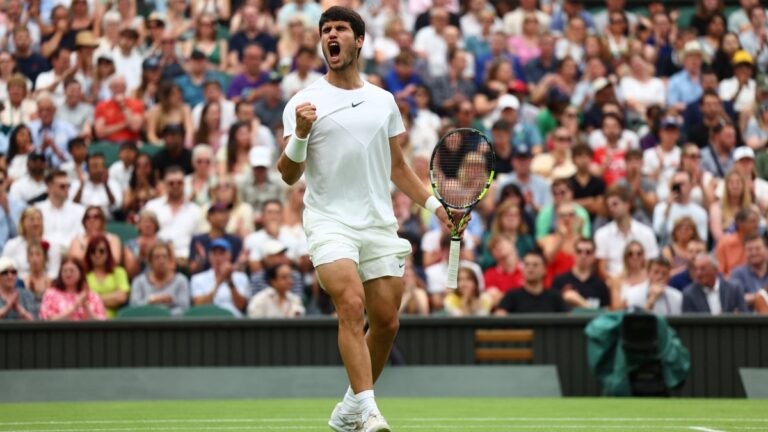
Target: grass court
(403, 414)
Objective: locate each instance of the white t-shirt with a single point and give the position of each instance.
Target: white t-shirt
(202, 284)
(178, 227)
(348, 164)
(668, 303)
(254, 243)
(648, 93)
(63, 224)
(744, 100)
(96, 195)
(610, 243)
(655, 157)
(26, 188)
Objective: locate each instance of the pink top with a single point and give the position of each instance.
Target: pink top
(56, 301)
(524, 51)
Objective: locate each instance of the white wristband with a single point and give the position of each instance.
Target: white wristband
(296, 150)
(432, 204)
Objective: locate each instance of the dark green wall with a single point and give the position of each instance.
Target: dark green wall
(719, 345)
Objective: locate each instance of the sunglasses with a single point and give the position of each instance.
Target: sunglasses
(9, 271)
(693, 156)
(635, 253)
(174, 182)
(585, 251)
(203, 161)
(99, 251)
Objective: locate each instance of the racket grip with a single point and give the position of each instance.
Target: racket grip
(453, 263)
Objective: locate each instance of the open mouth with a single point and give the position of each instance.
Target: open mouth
(334, 49)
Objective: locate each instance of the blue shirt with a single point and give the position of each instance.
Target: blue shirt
(526, 134)
(749, 282)
(9, 221)
(559, 19)
(61, 132)
(682, 88)
(192, 92)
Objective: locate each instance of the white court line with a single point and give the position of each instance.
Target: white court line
(419, 427)
(403, 419)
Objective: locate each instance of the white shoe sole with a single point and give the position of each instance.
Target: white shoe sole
(338, 426)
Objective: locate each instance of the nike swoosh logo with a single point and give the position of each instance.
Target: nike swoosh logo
(402, 265)
(356, 104)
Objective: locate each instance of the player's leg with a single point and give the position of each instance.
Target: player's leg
(343, 285)
(382, 297)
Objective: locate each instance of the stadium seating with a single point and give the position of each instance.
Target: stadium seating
(208, 311)
(125, 231)
(109, 150)
(146, 311)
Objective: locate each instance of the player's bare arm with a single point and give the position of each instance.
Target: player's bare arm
(291, 166)
(406, 180)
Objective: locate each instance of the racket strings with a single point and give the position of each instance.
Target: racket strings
(460, 166)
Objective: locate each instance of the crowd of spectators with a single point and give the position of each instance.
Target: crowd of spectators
(631, 149)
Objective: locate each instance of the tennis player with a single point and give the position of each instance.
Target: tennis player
(343, 133)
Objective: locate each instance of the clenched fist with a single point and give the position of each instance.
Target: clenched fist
(306, 114)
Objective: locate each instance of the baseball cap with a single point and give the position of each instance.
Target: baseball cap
(274, 247)
(260, 156)
(517, 86)
(220, 243)
(743, 152)
(219, 207)
(509, 101)
(692, 47)
(275, 77)
(105, 55)
(156, 16)
(600, 84)
(521, 151)
(742, 57)
(7, 263)
(670, 121)
(173, 128)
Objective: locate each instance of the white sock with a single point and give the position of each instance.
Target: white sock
(367, 403)
(349, 403)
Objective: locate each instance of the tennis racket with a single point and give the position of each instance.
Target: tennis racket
(461, 170)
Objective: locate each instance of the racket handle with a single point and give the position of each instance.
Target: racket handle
(453, 263)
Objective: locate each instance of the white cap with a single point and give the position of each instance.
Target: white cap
(600, 83)
(112, 16)
(6, 263)
(260, 156)
(274, 247)
(509, 101)
(743, 152)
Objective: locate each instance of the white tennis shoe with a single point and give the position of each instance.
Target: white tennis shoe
(375, 423)
(344, 422)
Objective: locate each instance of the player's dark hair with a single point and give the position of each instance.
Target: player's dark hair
(338, 13)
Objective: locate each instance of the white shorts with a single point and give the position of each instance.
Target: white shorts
(378, 251)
